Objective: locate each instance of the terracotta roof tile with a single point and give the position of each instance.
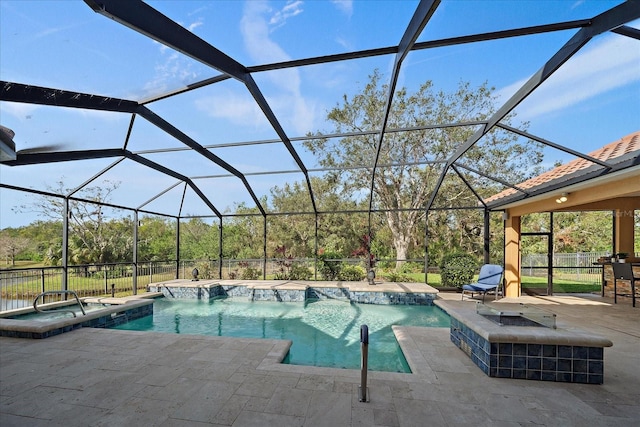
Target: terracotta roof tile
(625, 145)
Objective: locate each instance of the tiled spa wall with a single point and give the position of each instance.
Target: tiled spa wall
(545, 362)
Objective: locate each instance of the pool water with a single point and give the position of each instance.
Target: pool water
(324, 332)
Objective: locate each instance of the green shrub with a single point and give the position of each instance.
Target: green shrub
(411, 267)
(351, 273)
(250, 273)
(457, 269)
(204, 270)
(329, 265)
(299, 272)
(394, 276)
(385, 265)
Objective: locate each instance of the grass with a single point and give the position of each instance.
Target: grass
(21, 264)
(94, 286)
(559, 285)
(84, 286)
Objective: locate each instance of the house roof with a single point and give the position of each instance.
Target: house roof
(619, 154)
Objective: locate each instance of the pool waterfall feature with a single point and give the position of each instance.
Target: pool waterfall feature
(297, 291)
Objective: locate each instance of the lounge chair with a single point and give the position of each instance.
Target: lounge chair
(489, 280)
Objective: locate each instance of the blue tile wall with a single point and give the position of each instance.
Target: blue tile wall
(542, 362)
(297, 295)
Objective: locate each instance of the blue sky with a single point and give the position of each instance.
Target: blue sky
(592, 100)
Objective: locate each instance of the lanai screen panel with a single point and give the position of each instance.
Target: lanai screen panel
(242, 73)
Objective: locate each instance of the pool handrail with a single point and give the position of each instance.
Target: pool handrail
(35, 301)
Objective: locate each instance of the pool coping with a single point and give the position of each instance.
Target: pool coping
(563, 334)
(298, 291)
(396, 287)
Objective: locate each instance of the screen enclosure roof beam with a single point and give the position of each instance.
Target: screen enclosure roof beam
(144, 19)
(607, 21)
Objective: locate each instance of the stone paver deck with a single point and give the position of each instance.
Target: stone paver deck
(96, 377)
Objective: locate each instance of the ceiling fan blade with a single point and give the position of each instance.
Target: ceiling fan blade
(41, 149)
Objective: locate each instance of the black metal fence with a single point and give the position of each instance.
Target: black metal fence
(19, 287)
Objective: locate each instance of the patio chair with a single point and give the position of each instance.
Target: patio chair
(489, 280)
(624, 271)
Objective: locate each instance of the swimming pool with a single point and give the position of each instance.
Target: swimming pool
(324, 332)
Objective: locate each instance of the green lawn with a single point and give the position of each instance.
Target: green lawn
(21, 264)
(96, 286)
(559, 285)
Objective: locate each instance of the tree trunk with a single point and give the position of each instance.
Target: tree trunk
(402, 247)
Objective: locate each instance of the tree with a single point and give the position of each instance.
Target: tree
(243, 235)
(11, 246)
(157, 239)
(199, 240)
(93, 236)
(582, 231)
(338, 232)
(401, 188)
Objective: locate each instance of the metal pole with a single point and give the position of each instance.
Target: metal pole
(264, 247)
(364, 345)
(177, 248)
(315, 250)
(486, 238)
(220, 243)
(136, 224)
(426, 248)
(65, 245)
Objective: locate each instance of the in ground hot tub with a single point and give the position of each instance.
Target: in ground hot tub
(511, 341)
(105, 313)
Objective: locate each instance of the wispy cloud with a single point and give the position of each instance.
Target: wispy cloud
(280, 17)
(174, 69)
(238, 109)
(345, 6)
(605, 65)
(256, 25)
(577, 4)
(195, 25)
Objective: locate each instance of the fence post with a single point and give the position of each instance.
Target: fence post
(134, 272)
